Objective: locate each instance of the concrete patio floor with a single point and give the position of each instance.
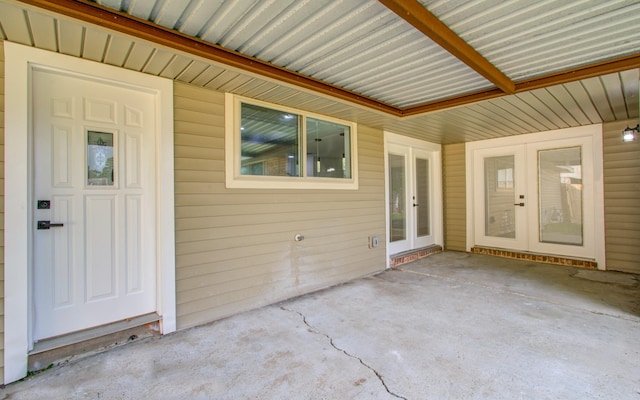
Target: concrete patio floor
(450, 326)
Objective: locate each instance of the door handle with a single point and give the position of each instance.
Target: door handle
(48, 225)
(416, 205)
(519, 204)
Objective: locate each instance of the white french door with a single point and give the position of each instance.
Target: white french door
(413, 211)
(536, 197)
(94, 243)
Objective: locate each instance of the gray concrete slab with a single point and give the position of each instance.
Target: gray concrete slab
(451, 326)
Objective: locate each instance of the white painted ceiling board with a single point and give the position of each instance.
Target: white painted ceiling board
(70, 38)
(117, 50)
(545, 98)
(599, 98)
(95, 44)
(139, 56)
(207, 75)
(176, 66)
(615, 95)
(221, 79)
(630, 83)
(194, 69)
(536, 106)
(43, 30)
(569, 103)
(580, 94)
(13, 23)
(158, 61)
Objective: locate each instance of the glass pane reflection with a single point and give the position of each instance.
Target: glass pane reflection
(560, 192)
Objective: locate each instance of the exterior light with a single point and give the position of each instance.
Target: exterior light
(629, 134)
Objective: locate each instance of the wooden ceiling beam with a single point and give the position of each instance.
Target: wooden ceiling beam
(417, 15)
(93, 13)
(556, 78)
(584, 72)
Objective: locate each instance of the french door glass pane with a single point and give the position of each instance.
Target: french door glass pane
(499, 213)
(397, 201)
(560, 191)
(422, 197)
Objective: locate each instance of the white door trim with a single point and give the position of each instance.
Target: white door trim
(594, 132)
(18, 202)
(436, 173)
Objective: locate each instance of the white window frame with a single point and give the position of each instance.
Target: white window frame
(234, 179)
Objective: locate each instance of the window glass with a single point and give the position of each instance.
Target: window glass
(269, 142)
(327, 149)
(99, 158)
(560, 196)
(284, 148)
(397, 202)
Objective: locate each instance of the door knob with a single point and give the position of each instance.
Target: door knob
(519, 204)
(48, 225)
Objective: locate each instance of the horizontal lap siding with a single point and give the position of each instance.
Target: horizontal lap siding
(455, 233)
(235, 248)
(621, 194)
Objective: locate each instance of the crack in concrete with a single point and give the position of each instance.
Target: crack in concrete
(316, 331)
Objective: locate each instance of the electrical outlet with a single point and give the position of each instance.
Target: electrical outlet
(373, 241)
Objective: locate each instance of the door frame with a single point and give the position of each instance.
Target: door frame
(593, 133)
(436, 182)
(19, 61)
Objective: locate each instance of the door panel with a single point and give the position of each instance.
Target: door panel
(533, 197)
(421, 198)
(500, 219)
(409, 202)
(562, 221)
(94, 161)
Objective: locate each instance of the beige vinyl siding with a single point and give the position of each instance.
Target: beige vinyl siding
(1, 211)
(454, 193)
(235, 248)
(621, 194)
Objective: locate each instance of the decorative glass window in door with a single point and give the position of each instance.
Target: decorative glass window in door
(100, 158)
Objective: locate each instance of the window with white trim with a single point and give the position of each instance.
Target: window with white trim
(269, 146)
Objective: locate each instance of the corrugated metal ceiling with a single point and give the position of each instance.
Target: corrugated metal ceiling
(366, 48)
(525, 39)
(359, 45)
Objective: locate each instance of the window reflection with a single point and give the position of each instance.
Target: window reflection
(269, 142)
(328, 149)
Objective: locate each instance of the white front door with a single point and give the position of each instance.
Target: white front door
(410, 198)
(536, 197)
(94, 243)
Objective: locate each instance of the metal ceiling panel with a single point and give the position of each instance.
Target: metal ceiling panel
(400, 77)
(359, 45)
(526, 38)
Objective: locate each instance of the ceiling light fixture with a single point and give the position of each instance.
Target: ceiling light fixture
(629, 134)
